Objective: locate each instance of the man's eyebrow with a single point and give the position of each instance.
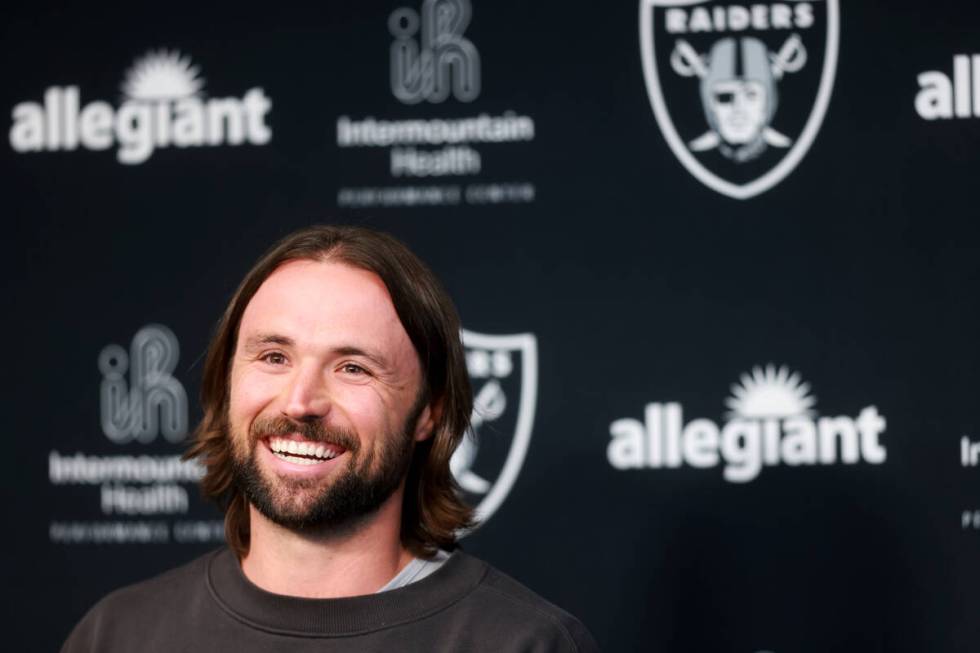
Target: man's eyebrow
(375, 358)
(261, 339)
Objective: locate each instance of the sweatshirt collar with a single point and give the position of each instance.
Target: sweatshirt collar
(297, 616)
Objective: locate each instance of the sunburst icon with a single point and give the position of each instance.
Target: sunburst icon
(162, 75)
(770, 393)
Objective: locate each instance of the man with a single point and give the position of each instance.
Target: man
(334, 394)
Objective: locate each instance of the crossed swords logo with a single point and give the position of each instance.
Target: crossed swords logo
(488, 404)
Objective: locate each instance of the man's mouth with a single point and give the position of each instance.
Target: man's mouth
(302, 452)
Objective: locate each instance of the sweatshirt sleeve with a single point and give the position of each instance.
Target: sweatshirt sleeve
(84, 636)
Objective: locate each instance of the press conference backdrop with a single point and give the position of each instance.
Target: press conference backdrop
(716, 264)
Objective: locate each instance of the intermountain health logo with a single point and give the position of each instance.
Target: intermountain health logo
(150, 401)
(430, 57)
(434, 158)
(163, 105)
(504, 372)
(739, 91)
(136, 494)
(771, 421)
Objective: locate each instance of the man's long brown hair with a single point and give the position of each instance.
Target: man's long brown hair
(432, 512)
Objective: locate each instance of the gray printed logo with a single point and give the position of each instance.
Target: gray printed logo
(441, 60)
(152, 401)
(739, 92)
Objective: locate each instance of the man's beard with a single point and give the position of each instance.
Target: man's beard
(317, 504)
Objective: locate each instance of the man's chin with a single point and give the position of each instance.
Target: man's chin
(294, 512)
(289, 499)
(311, 515)
(291, 517)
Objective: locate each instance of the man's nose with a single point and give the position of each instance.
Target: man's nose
(306, 395)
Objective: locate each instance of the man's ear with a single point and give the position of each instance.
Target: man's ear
(428, 418)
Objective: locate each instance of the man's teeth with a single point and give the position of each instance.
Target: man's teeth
(315, 453)
(297, 459)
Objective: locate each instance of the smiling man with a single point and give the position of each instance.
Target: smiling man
(334, 393)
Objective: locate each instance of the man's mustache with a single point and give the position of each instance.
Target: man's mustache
(312, 430)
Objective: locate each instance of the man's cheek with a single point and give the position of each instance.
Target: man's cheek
(251, 392)
(363, 409)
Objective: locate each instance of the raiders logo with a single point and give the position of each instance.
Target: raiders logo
(504, 374)
(739, 91)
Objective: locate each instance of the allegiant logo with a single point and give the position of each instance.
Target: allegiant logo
(164, 107)
(771, 423)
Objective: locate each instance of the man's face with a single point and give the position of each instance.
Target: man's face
(323, 407)
(740, 109)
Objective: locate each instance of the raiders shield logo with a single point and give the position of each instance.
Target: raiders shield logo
(739, 91)
(504, 374)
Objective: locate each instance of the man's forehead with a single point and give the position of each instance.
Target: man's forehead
(312, 296)
(305, 276)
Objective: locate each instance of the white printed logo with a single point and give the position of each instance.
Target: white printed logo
(970, 459)
(735, 62)
(940, 97)
(152, 401)
(163, 106)
(969, 452)
(771, 421)
(440, 61)
(504, 373)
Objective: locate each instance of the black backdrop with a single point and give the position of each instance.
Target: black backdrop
(639, 283)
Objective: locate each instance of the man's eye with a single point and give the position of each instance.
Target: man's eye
(275, 358)
(353, 368)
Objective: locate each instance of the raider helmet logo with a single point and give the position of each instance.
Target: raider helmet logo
(739, 91)
(504, 374)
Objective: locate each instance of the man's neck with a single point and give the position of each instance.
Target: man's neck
(358, 562)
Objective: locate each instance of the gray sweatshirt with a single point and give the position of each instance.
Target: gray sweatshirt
(209, 605)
